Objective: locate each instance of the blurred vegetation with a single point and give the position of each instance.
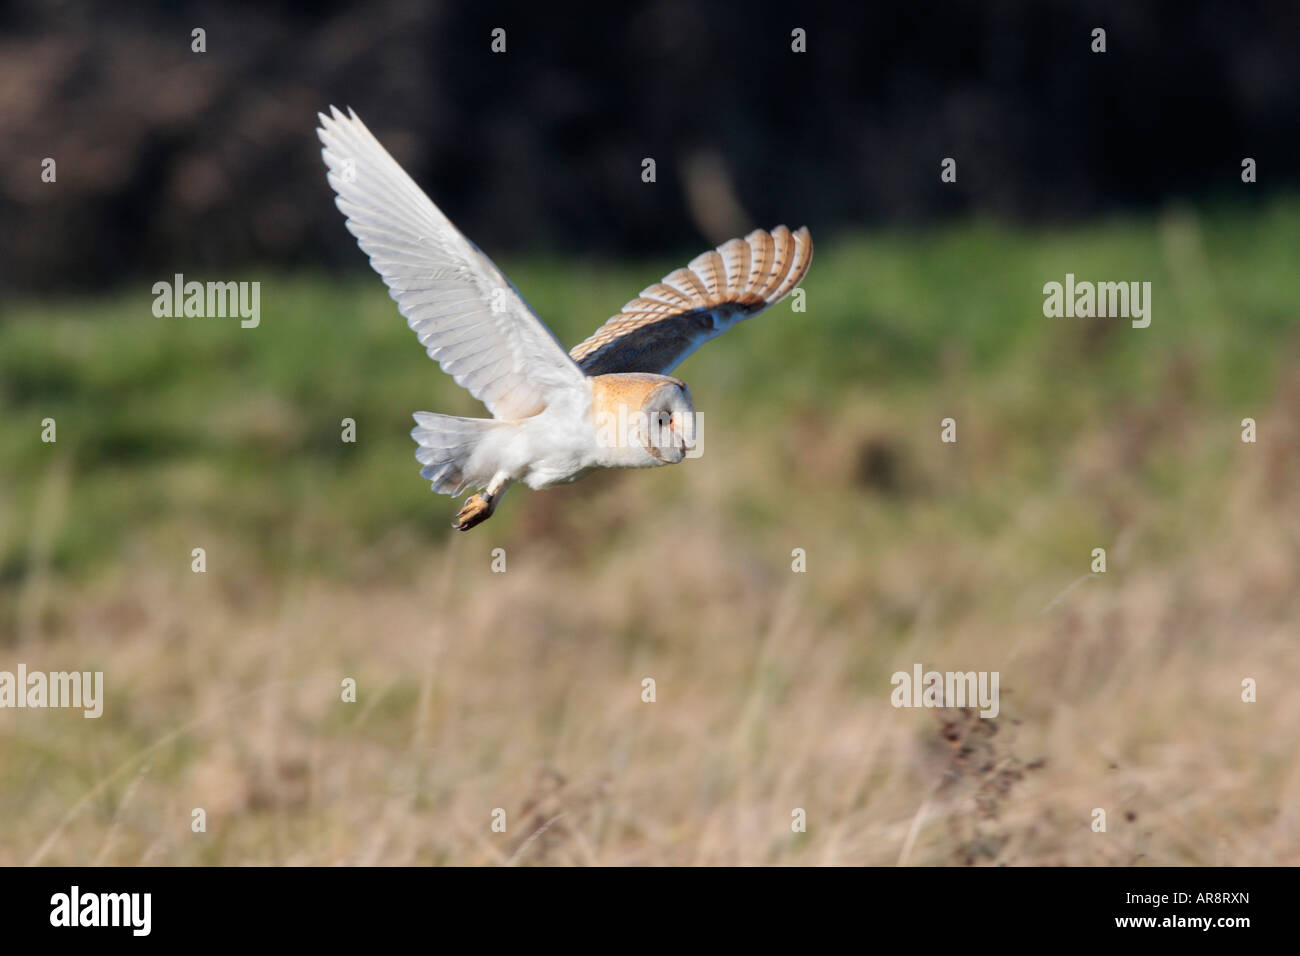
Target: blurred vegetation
(522, 690)
(185, 424)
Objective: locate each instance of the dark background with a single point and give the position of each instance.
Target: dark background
(176, 160)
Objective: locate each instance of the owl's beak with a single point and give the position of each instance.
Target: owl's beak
(669, 456)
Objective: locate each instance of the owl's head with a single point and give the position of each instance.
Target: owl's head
(643, 420)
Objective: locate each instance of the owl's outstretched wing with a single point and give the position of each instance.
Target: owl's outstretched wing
(671, 319)
(471, 319)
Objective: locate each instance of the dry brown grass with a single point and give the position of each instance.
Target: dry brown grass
(522, 690)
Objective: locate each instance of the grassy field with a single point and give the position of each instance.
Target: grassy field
(523, 690)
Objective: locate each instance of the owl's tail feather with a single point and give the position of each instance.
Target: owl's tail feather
(446, 444)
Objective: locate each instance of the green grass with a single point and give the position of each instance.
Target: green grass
(176, 419)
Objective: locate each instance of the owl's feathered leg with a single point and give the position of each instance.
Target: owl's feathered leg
(479, 507)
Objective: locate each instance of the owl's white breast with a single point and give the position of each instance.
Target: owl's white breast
(556, 445)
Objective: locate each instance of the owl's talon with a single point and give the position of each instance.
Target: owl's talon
(477, 509)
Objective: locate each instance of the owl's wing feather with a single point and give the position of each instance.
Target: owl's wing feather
(443, 284)
(669, 320)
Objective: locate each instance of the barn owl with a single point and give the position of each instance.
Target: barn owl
(556, 415)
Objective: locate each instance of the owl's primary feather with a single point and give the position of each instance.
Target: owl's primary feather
(669, 320)
(466, 313)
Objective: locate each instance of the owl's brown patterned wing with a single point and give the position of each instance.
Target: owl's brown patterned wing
(671, 319)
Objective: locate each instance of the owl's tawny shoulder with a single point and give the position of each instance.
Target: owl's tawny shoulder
(630, 390)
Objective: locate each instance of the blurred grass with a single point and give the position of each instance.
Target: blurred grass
(202, 420)
(821, 432)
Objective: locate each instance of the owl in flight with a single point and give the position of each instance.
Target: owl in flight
(607, 403)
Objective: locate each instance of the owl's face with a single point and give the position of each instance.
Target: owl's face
(667, 423)
(642, 420)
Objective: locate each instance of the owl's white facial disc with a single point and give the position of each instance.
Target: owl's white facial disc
(667, 423)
